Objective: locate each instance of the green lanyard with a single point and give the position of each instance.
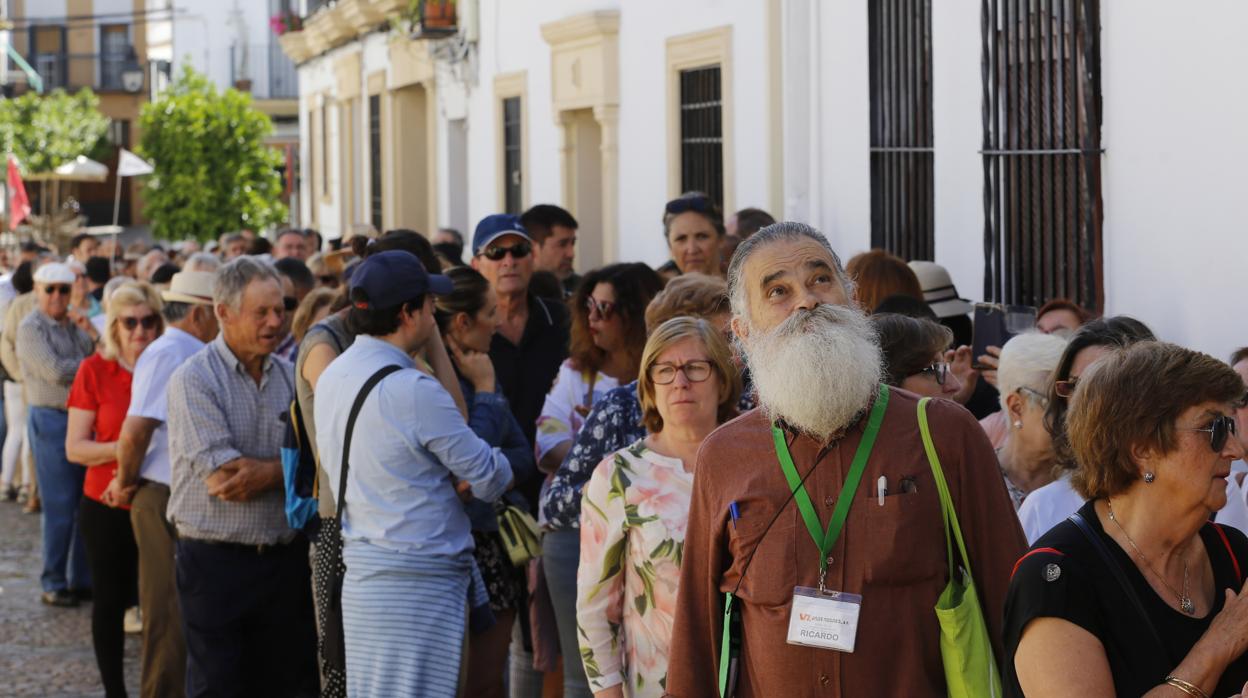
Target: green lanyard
(825, 540)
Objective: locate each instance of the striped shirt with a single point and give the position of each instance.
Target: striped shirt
(50, 352)
(217, 414)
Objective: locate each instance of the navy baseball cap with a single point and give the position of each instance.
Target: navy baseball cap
(394, 277)
(495, 226)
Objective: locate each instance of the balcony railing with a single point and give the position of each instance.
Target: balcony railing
(271, 72)
(99, 71)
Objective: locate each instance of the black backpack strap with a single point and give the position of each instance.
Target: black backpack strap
(369, 384)
(1128, 589)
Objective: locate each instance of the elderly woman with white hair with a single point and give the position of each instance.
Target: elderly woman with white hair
(1026, 456)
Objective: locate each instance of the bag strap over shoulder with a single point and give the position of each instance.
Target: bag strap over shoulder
(369, 384)
(953, 530)
(1239, 575)
(1115, 569)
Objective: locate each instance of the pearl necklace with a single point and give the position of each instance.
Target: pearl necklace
(1185, 601)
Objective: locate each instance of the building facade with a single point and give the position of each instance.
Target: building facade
(1036, 150)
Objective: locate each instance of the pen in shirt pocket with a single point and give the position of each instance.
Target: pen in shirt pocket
(735, 512)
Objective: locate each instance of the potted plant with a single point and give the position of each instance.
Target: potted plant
(285, 21)
(432, 17)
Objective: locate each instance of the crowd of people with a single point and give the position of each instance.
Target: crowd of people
(370, 468)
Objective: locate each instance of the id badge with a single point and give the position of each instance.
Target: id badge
(827, 620)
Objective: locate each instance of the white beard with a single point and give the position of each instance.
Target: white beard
(817, 370)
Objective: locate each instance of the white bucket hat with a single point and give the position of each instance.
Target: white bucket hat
(938, 290)
(55, 273)
(194, 287)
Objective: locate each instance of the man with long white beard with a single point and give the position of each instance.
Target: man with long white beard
(852, 613)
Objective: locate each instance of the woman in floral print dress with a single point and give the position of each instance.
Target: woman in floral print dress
(636, 505)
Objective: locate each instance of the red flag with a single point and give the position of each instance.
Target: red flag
(19, 203)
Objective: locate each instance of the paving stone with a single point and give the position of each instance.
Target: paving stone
(44, 651)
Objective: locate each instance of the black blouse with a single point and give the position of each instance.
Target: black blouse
(1063, 576)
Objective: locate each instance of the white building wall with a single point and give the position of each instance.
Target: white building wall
(204, 30)
(1176, 249)
(511, 41)
(1174, 238)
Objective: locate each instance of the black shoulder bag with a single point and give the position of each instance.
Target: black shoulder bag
(333, 649)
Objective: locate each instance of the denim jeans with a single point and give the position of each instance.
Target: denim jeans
(561, 553)
(60, 488)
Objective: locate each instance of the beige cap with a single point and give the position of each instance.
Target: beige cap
(191, 287)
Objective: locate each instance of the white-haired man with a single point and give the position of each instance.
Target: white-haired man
(816, 367)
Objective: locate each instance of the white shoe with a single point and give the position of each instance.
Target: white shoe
(133, 623)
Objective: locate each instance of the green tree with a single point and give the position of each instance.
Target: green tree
(46, 131)
(214, 174)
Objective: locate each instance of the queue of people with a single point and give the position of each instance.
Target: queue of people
(732, 475)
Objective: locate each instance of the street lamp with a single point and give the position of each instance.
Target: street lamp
(132, 73)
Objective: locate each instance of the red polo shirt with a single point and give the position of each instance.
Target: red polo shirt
(102, 386)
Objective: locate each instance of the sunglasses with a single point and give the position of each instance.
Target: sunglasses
(1219, 431)
(603, 309)
(1065, 388)
(701, 204)
(665, 374)
(148, 322)
(290, 303)
(495, 253)
(939, 371)
(62, 289)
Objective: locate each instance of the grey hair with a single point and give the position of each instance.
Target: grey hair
(202, 261)
(776, 232)
(233, 279)
(1028, 361)
(175, 311)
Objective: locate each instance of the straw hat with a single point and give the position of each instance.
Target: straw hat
(194, 287)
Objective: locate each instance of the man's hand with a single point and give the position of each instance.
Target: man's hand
(244, 479)
(117, 495)
(464, 490)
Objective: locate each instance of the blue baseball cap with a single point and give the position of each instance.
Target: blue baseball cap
(393, 277)
(493, 227)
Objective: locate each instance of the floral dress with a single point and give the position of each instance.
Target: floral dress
(633, 519)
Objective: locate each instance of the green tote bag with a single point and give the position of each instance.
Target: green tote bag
(965, 651)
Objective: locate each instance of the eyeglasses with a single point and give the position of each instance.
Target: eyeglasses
(1065, 388)
(495, 253)
(147, 321)
(665, 374)
(939, 371)
(701, 204)
(62, 289)
(1219, 430)
(604, 309)
(290, 303)
(1040, 398)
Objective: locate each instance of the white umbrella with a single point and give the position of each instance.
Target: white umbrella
(83, 169)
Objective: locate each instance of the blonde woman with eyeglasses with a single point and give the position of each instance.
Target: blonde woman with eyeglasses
(98, 401)
(635, 509)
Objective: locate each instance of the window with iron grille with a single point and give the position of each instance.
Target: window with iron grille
(374, 159)
(512, 176)
(900, 70)
(114, 49)
(702, 132)
(1042, 151)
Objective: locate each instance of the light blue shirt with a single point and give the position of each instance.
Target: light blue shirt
(148, 391)
(410, 440)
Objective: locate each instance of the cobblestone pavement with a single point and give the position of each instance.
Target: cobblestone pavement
(44, 651)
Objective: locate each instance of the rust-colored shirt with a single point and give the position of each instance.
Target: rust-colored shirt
(893, 555)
